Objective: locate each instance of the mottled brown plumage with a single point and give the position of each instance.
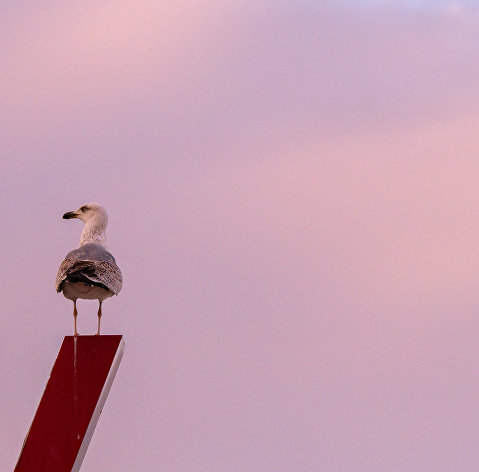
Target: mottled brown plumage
(90, 264)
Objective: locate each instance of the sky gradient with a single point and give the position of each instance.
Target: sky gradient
(293, 196)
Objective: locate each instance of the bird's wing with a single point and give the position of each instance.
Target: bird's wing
(95, 266)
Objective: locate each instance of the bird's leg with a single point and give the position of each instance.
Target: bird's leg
(99, 318)
(75, 314)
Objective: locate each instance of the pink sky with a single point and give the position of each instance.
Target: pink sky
(293, 196)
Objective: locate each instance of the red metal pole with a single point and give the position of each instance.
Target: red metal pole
(71, 404)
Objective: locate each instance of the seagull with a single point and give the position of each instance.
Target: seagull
(89, 272)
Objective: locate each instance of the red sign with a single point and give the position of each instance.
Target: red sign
(71, 404)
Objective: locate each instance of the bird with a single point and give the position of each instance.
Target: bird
(89, 272)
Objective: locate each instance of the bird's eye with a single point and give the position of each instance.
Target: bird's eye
(84, 208)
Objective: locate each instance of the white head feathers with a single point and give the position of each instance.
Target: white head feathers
(95, 218)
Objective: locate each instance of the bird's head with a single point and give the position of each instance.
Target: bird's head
(89, 213)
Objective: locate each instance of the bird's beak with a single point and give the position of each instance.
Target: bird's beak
(70, 214)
